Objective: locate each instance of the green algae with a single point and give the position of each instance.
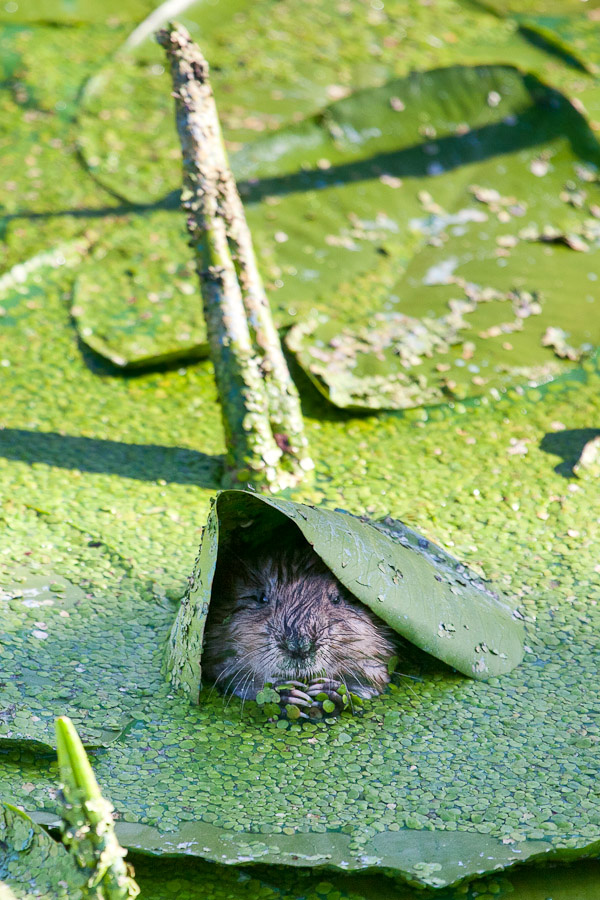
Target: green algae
(471, 257)
(450, 723)
(75, 12)
(317, 215)
(29, 62)
(111, 492)
(133, 94)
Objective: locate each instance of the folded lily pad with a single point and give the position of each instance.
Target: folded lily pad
(441, 769)
(417, 588)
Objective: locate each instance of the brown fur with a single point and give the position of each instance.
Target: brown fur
(307, 626)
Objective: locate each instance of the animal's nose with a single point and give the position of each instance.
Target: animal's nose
(299, 646)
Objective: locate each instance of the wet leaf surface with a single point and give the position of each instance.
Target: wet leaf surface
(375, 217)
(450, 321)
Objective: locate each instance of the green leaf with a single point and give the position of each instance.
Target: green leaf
(506, 179)
(32, 864)
(105, 494)
(399, 300)
(437, 604)
(76, 12)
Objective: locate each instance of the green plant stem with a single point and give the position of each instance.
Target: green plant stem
(88, 829)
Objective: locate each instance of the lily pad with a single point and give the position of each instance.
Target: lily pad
(74, 12)
(439, 770)
(136, 299)
(364, 167)
(167, 879)
(468, 250)
(574, 36)
(127, 134)
(417, 588)
(32, 864)
(105, 487)
(389, 175)
(50, 620)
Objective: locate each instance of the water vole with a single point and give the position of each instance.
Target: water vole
(279, 614)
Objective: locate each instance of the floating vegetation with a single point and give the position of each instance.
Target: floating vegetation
(557, 339)
(341, 362)
(317, 700)
(366, 557)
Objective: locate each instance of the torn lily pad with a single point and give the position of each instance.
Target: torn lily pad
(377, 361)
(373, 364)
(437, 603)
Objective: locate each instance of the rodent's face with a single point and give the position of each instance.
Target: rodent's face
(288, 617)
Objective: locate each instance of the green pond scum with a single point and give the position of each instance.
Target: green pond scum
(107, 471)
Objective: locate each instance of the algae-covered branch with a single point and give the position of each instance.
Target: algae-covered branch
(259, 402)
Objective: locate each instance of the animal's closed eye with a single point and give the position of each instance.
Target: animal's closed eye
(255, 599)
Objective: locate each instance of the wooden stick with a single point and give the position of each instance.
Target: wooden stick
(259, 402)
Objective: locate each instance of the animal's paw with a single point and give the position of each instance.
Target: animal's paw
(321, 698)
(364, 691)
